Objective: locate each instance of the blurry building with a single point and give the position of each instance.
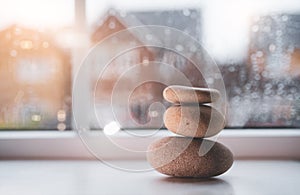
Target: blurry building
(263, 91)
(188, 21)
(273, 72)
(275, 44)
(35, 81)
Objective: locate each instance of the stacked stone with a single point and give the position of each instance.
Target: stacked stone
(191, 155)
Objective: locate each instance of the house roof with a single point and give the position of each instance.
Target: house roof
(188, 20)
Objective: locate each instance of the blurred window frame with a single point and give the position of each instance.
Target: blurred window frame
(244, 143)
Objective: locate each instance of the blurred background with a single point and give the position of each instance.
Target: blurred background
(256, 45)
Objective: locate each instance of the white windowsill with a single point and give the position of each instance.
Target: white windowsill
(244, 143)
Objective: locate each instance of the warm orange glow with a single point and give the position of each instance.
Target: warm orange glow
(61, 126)
(45, 44)
(36, 117)
(61, 115)
(26, 44)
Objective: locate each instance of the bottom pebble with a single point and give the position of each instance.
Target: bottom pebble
(189, 157)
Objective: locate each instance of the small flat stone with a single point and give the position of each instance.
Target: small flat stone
(194, 121)
(189, 157)
(188, 95)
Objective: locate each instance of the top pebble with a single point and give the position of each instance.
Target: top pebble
(188, 95)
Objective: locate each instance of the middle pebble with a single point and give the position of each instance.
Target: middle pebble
(194, 121)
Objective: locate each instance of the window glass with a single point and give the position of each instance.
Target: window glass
(35, 67)
(255, 44)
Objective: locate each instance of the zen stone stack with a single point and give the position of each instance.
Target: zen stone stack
(191, 155)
